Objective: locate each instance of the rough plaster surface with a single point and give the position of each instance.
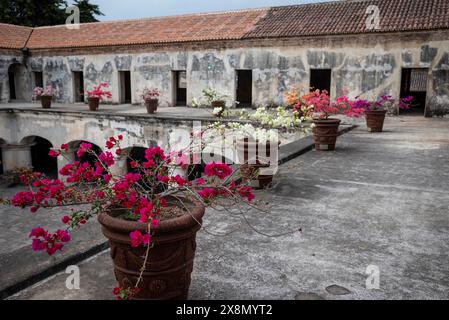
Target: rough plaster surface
(358, 68)
(379, 199)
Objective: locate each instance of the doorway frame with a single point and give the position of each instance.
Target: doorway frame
(428, 83)
(321, 69)
(175, 81)
(82, 95)
(122, 87)
(236, 87)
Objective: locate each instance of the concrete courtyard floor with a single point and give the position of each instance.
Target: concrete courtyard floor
(379, 199)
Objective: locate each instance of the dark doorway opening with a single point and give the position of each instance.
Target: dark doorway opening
(38, 79)
(135, 154)
(414, 83)
(12, 86)
(244, 85)
(125, 86)
(78, 80)
(180, 91)
(1, 159)
(320, 79)
(40, 159)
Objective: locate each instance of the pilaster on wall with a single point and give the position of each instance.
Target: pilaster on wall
(16, 157)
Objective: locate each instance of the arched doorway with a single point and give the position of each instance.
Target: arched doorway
(135, 154)
(18, 82)
(1, 159)
(41, 161)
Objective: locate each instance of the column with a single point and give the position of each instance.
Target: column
(63, 160)
(120, 167)
(16, 157)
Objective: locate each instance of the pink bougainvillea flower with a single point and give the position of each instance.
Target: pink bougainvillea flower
(47, 241)
(218, 169)
(64, 147)
(107, 158)
(180, 181)
(208, 194)
(155, 154)
(200, 181)
(66, 219)
(53, 154)
(246, 192)
(154, 223)
(138, 239)
(84, 147)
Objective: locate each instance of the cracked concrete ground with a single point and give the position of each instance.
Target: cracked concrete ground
(379, 199)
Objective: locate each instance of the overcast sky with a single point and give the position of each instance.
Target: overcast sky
(129, 9)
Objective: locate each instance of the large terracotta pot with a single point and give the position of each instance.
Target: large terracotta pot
(151, 105)
(255, 160)
(375, 120)
(325, 132)
(170, 264)
(46, 101)
(93, 102)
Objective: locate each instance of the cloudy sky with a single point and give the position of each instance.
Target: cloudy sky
(129, 9)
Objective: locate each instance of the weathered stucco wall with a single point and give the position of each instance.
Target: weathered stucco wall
(360, 66)
(59, 128)
(23, 81)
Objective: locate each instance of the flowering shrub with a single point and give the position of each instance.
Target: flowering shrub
(386, 103)
(319, 103)
(234, 131)
(212, 95)
(142, 193)
(150, 94)
(292, 96)
(218, 112)
(47, 91)
(281, 118)
(99, 91)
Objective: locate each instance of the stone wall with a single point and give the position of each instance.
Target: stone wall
(23, 82)
(370, 66)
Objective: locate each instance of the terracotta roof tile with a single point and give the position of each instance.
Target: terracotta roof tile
(349, 17)
(13, 37)
(330, 18)
(198, 27)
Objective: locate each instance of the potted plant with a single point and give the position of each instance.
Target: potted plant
(257, 151)
(376, 111)
(96, 95)
(150, 216)
(325, 129)
(45, 95)
(151, 99)
(216, 101)
(256, 156)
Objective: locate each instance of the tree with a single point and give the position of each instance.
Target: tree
(88, 11)
(44, 12)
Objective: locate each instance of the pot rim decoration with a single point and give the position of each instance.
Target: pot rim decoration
(187, 220)
(376, 112)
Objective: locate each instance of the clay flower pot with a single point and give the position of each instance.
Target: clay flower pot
(93, 102)
(169, 267)
(325, 132)
(375, 120)
(253, 157)
(46, 101)
(151, 105)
